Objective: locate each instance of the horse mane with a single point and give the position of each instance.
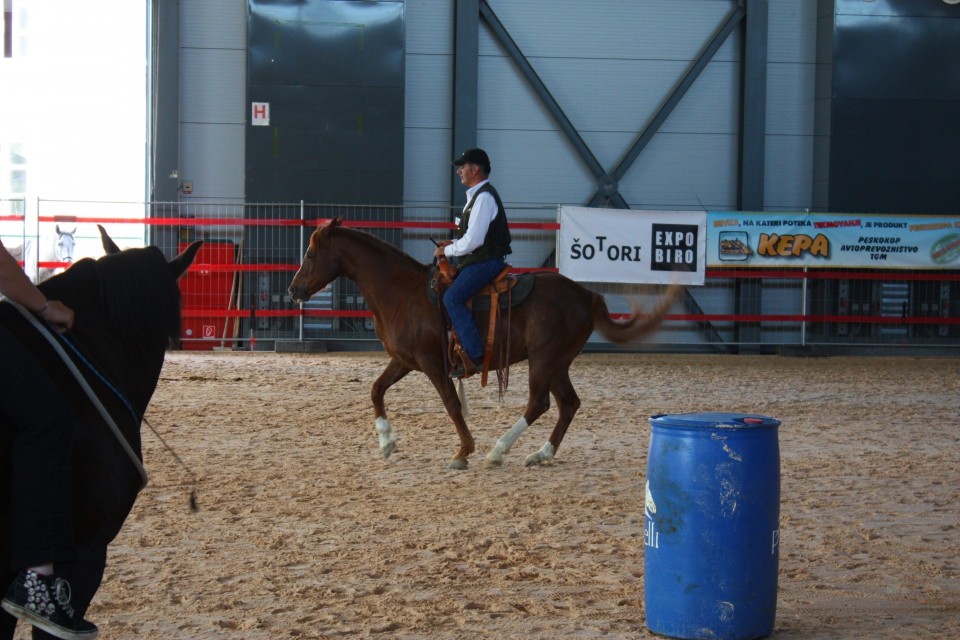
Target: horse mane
(140, 296)
(379, 246)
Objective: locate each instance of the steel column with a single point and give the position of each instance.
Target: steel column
(466, 61)
(165, 101)
(754, 107)
(753, 132)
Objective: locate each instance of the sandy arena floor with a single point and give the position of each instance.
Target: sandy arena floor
(304, 531)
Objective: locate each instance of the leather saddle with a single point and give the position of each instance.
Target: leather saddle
(520, 287)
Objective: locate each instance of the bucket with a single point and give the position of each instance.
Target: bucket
(712, 539)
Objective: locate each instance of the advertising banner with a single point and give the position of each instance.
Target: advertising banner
(826, 240)
(630, 246)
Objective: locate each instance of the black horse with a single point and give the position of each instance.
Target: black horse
(127, 307)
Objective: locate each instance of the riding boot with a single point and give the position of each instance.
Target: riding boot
(466, 369)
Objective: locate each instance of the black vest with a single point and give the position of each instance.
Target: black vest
(497, 242)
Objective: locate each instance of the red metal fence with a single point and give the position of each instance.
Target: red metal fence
(235, 293)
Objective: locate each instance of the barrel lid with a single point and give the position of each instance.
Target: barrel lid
(715, 419)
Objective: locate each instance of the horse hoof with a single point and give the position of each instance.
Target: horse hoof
(541, 457)
(494, 458)
(457, 464)
(388, 449)
(537, 460)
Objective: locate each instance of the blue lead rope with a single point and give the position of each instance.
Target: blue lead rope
(48, 334)
(137, 419)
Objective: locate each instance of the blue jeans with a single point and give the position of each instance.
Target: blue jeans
(468, 283)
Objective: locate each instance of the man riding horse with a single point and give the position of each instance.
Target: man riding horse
(483, 240)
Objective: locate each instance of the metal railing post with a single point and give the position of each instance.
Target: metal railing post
(302, 226)
(803, 309)
(36, 245)
(23, 223)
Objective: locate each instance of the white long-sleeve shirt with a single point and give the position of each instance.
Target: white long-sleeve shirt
(483, 213)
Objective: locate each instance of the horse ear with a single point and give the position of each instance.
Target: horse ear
(324, 229)
(179, 265)
(109, 246)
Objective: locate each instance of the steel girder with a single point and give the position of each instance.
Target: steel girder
(466, 51)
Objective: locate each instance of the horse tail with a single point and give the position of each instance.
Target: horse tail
(638, 324)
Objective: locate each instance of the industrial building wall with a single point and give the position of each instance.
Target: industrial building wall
(328, 75)
(213, 111)
(610, 65)
(888, 122)
(791, 78)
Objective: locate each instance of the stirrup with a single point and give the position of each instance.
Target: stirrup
(466, 368)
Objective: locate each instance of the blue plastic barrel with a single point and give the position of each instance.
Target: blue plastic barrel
(712, 540)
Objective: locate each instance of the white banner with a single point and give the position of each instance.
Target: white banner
(630, 246)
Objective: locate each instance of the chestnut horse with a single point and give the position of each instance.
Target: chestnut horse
(549, 329)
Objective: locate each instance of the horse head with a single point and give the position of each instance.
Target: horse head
(63, 249)
(320, 266)
(127, 307)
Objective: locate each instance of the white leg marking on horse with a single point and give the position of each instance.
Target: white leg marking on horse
(388, 441)
(506, 441)
(540, 457)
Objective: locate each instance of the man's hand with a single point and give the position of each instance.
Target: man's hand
(438, 252)
(57, 314)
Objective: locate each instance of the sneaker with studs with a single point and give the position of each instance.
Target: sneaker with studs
(44, 602)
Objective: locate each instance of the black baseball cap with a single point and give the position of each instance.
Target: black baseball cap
(474, 156)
